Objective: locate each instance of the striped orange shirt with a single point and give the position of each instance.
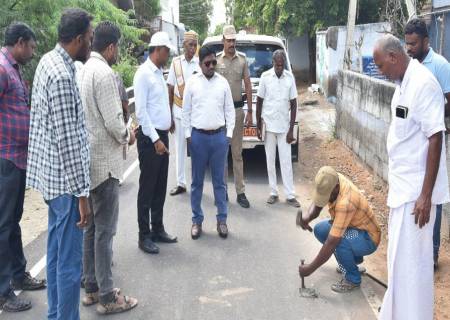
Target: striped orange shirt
(351, 210)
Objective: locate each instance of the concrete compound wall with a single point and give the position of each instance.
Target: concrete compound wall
(363, 115)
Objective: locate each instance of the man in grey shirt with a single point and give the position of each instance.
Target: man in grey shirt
(107, 134)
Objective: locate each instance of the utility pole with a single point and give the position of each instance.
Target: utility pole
(411, 7)
(350, 43)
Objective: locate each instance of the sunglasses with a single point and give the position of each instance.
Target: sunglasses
(208, 63)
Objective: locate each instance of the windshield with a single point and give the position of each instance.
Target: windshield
(259, 56)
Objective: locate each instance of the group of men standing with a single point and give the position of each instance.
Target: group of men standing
(203, 108)
(67, 143)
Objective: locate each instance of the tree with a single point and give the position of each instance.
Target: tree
(292, 17)
(195, 15)
(218, 30)
(43, 16)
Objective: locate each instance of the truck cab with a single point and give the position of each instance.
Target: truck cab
(258, 50)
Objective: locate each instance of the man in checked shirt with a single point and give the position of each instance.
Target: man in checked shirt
(352, 233)
(20, 43)
(59, 159)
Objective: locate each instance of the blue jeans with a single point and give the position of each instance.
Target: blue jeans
(64, 246)
(208, 150)
(354, 245)
(437, 231)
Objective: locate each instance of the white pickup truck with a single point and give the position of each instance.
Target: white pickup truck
(258, 50)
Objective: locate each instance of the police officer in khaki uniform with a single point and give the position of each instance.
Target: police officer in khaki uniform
(233, 66)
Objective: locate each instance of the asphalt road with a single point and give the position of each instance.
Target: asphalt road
(252, 275)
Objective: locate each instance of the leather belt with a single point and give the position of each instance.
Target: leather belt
(238, 104)
(210, 131)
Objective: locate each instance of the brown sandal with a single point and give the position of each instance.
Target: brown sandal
(92, 298)
(127, 303)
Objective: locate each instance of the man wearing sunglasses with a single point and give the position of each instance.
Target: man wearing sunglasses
(208, 121)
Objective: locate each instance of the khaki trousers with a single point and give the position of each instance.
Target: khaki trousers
(236, 152)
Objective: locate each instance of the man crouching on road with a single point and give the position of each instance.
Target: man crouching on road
(352, 232)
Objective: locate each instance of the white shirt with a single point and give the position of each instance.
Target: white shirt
(407, 141)
(208, 104)
(188, 67)
(277, 94)
(151, 100)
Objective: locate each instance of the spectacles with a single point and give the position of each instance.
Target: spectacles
(208, 63)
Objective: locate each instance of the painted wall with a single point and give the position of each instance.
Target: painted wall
(299, 56)
(330, 48)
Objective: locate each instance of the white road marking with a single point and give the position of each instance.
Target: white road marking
(130, 170)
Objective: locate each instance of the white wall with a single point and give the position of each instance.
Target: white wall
(330, 61)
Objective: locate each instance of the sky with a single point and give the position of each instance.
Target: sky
(218, 15)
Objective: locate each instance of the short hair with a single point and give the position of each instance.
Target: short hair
(417, 26)
(388, 42)
(17, 30)
(105, 34)
(151, 50)
(279, 53)
(204, 52)
(74, 22)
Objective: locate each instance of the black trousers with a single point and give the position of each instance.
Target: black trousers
(12, 193)
(152, 184)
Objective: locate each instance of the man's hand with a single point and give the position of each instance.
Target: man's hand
(302, 223)
(290, 136)
(132, 139)
(83, 207)
(249, 119)
(259, 130)
(422, 210)
(172, 126)
(160, 148)
(305, 270)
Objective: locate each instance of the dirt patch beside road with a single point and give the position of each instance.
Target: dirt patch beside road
(319, 148)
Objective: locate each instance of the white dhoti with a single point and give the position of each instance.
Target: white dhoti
(271, 142)
(410, 293)
(181, 145)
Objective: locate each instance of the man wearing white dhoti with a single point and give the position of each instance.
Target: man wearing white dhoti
(417, 181)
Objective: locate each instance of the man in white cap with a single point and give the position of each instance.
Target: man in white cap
(232, 65)
(154, 118)
(351, 233)
(182, 68)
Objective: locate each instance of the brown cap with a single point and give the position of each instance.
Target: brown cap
(229, 32)
(190, 35)
(324, 183)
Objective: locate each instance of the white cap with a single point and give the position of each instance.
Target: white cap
(161, 39)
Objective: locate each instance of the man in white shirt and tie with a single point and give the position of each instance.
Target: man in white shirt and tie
(208, 120)
(417, 181)
(154, 118)
(182, 68)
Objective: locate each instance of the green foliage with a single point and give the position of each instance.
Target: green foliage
(195, 15)
(219, 29)
(43, 17)
(126, 67)
(293, 17)
(147, 9)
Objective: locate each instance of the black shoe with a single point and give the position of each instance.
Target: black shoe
(164, 237)
(12, 303)
(29, 283)
(242, 200)
(147, 245)
(222, 229)
(177, 190)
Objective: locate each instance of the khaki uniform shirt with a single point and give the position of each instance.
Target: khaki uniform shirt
(234, 70)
